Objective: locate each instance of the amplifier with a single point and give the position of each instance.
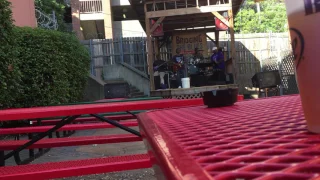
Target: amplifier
(268, 79)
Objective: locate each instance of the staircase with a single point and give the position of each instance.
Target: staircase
(135, 93)
(117, 85)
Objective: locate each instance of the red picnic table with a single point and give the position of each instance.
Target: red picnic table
(72, 112)
(263, 139)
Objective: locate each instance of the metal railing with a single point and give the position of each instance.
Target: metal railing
(91, 6)
(47, 21)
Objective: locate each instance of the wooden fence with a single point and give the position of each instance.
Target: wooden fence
(106, 52)
(252, 50)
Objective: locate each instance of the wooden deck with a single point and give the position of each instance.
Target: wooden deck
(187, 93)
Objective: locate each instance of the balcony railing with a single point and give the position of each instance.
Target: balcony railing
(90, 6)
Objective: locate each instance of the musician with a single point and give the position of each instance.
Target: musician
(161, 67)
(217, 59)
(197, 54)
(179, 66)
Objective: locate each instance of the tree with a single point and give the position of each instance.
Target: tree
(271, 18)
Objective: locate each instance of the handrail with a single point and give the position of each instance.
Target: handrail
(134, 70)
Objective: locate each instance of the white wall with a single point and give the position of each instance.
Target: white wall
(130, 28)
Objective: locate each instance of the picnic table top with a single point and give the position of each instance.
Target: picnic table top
(255, 139)
(72, 110)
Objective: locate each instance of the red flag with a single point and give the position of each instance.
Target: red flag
(220, 26)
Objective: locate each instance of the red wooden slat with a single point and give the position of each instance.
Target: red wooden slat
(69, 127)
(74, 141)
(86, 119)
(75, 168)
(46, 112)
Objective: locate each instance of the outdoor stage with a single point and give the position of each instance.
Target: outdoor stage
(188, 93)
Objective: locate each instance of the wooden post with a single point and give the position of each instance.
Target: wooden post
(233, 46)
(216, 33)
(107, 17)
(156, 46)
(150, 50)
(75, 10)
(152, 29)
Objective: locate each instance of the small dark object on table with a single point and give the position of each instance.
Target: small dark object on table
(220, 98)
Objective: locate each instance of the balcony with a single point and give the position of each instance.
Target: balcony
(91, 10)
(91, 6)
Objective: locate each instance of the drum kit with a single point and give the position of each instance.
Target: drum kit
(195, 67)
(199, 66)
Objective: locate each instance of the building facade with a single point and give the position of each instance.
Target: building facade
(23, 13)
(104, 19)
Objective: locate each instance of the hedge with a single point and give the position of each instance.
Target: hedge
(54, 67)
(39, 67)
(9, 73)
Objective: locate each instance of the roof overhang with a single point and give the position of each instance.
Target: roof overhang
(177, 16)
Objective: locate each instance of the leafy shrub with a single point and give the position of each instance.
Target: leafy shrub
(39, 67)
(9, 71)
(54, 67)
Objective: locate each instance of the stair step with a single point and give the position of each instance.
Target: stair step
(136, 94)
(141, 96)
(115, 81)
(134, 91)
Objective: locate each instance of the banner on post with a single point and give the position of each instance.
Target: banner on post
(220, 26)
(188, 41)
(158, 31)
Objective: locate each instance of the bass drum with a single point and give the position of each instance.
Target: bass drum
(193, 69)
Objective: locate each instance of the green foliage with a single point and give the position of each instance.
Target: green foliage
(39, 67)
(272, 17)
(58, 6)
(54, 67)
(6, 24)
(9, 72)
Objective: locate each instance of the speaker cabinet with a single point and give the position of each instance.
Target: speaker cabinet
(268, 79)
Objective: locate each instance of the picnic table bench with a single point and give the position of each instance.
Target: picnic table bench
(264, 139)
(69, 114)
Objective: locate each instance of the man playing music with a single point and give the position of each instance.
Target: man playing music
(179, 66)
(218, 59)
(198, 54)
(160, 66)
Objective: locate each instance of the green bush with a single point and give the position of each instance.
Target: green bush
(39, 67)
(54, 67)
(9, 71)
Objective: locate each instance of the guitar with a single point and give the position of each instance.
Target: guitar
(176, 66)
